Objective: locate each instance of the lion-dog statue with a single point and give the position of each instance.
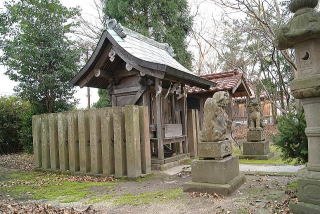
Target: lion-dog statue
(216, 122)
(254, 115)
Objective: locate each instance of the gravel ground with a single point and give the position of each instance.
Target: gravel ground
(260, 194)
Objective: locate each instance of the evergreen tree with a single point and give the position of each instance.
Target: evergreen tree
(103, 99)
(166, 21)
(38, 53)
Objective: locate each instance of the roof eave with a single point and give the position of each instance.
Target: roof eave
(92, 60)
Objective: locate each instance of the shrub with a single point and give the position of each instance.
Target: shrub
(103, 99)
(292, 139)
(13, 112)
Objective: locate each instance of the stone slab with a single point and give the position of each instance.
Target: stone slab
(256, 148)
(309, 191)
(217, 149)
(257, 157)
(255, 135)
(304, 208)
(222, 189)
(215, 171)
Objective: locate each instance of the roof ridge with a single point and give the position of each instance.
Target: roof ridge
(223, 74)
(123, 32)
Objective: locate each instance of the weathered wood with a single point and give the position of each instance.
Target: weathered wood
(107, 136)
(84, 141)
(197, 128)
(45, 142)
(159, 121)
(98, 64)
(95, 142)
(119, 143)
(113, 100)
(126, 90)
(133, 150)
(184, 121)
(63, 142)
(36, 134)
(53, 138)
(73, 139)
(145, 140)
(172, 130)
(192, 133)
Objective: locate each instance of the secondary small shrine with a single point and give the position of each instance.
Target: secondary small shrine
(137, 70)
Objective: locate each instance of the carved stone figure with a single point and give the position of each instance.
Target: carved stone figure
(216, 122)
(254, 115)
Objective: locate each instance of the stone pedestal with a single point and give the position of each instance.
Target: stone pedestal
(217, 149)
(308, 193)
(255, 135)
(256, 147)
(215, 176)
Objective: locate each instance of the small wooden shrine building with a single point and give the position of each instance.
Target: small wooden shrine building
(234, 82)
(140, 71)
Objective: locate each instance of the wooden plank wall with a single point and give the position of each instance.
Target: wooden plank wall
(193, 126)
(108, 141)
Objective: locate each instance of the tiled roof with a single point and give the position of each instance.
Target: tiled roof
(225, 81)
(147, 49)
(141, 53)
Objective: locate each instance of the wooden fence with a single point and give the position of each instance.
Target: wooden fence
(193, 125)
(109, 141)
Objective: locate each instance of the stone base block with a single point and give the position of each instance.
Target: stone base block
(256, 148)
(255, 135)
(308, 193)
(222, 189)
(218, 149)
(309, 186)
(304, 208)
(215, 171)
(257, 157)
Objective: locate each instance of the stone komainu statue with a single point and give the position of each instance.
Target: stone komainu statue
(216, 122)
(254, 115)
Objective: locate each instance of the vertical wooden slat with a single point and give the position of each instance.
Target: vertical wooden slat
(184, 121)
(107, 136)
(95, 142)
(192, 133)
(119, 143)
(63, 142)
(133, 150)
(36, 134)
(53, 138)
(73, 141)
(145, 140)
(198, 129)
(45, 142)
(84, 141)
(159, 122)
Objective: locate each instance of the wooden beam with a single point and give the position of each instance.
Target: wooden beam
(184, 120)
(126, 90)
(143, 71)
(98, 66)
(159, 121)
(137, 96)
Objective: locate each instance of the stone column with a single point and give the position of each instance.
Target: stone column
(216, 171)
(303, 34)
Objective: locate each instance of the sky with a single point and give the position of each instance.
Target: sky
(206, 11)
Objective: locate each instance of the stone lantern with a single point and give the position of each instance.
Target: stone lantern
(303, 34)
